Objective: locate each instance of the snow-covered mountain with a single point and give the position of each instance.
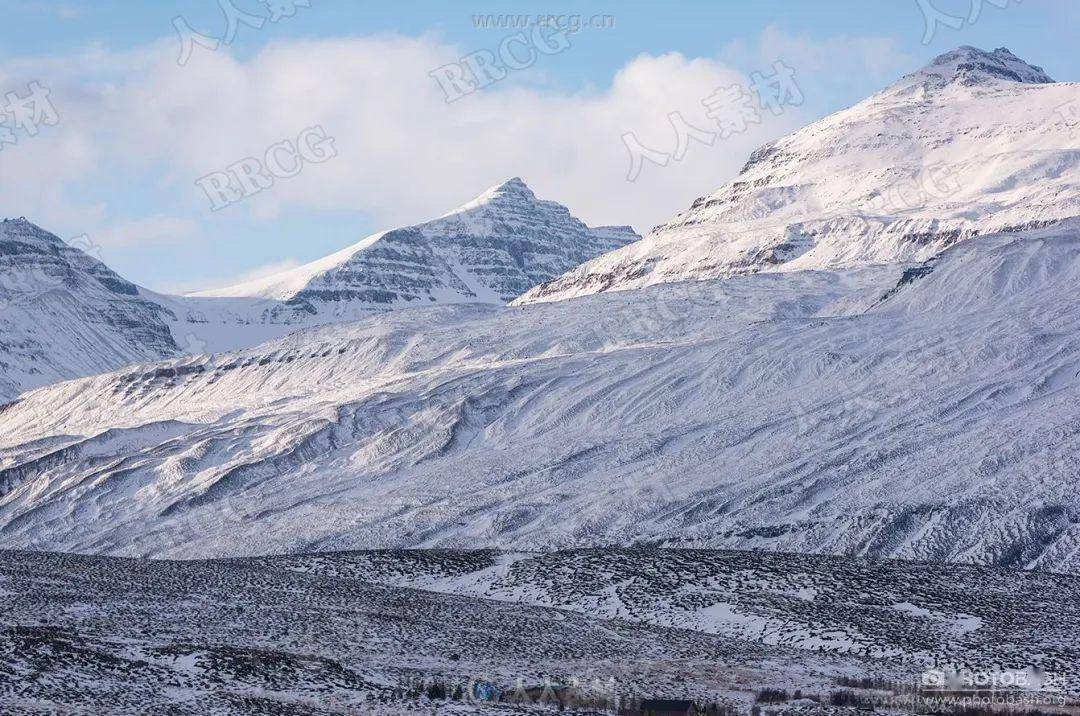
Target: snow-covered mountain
(973, 143)
(490, 250)
(894, 391)
(926, 412)
(64, 314)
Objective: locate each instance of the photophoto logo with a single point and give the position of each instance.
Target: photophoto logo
(973, 680)
(933, 679)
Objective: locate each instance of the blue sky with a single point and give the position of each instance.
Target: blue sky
(137, 131)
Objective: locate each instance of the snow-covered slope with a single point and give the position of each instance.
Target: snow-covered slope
(490, 250)
(893, 391)
(975, 142)
(927, 411)
(63, 313)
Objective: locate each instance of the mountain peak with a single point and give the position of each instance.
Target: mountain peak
(510, 193)
(491, 250)
(967, 65)
(23, 230)
(512, 187)
(513, 184)
(973, 143)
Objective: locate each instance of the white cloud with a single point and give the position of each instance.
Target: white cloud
(150, 230)
(403, 153)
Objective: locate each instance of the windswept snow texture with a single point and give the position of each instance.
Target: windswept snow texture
(350, 632)
(64, 314)
(490, 250)
(976, 142)
(926, 412)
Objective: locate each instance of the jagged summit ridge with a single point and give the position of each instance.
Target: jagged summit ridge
(512, 188)
(489, 250)
(967, 65)
(510, 192)
(21, 229)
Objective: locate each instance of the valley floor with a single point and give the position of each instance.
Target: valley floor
(420, 631)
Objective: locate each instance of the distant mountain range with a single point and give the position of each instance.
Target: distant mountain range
(66, 315)
(844, 374)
